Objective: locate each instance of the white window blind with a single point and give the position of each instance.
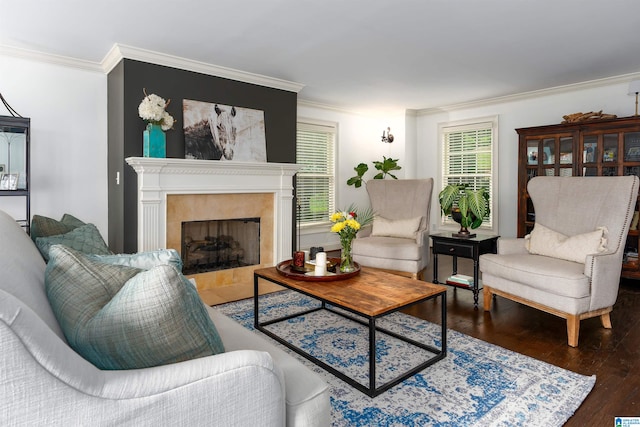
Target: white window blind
(315, 152)
(467, 158)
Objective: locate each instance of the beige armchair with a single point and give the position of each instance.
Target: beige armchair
(565, 267)
(398, 240)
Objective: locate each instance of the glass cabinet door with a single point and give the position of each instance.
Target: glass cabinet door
(632, 147)
(549, 151)
(566, 156)
(532, 151)
(590, 152)
(14, 168)
(13, 157)
(610, 148)
(566, 150)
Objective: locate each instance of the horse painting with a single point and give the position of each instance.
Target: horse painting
(214, 131)
(223, 130)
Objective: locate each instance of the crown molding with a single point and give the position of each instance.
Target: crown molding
(49, 58)
(319, 105)
(119, 52)
(345, 110)
(625, 78)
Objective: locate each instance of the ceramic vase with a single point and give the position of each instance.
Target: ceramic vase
(155, 141)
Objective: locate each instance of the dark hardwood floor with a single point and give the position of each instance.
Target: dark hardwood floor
(610, 354)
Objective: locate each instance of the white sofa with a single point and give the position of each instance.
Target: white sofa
(43, 381)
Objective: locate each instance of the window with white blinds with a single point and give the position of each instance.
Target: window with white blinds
(468, 158)
(315, 189)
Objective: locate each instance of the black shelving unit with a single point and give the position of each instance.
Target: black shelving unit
(15, 141)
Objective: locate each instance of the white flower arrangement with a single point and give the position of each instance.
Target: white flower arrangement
(153, 110)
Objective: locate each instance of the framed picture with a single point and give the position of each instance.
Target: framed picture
(589, 155)
(9, 181)
(633, 154)
(610, 154)
(223, 132)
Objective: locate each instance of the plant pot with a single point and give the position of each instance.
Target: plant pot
(456, 215)
(463, 232)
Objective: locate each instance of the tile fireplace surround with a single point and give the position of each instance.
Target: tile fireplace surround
(174, 190)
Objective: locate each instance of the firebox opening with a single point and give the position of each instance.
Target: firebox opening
(213, 245)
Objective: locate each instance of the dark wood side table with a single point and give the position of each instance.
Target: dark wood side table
(472, 248)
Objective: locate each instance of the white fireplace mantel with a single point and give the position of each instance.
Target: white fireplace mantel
(158, 178)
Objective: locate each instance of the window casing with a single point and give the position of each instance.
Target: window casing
(468, 157)
(315, 181)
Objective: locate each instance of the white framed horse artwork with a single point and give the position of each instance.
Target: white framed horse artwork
(215, 131)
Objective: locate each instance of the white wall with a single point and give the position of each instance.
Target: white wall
(359, 141)
(534, 111)
(68, 111)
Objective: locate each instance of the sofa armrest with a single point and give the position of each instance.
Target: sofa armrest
(509, 245)
(44, 380)
(604, 271)
(422, 237)
(137, 383)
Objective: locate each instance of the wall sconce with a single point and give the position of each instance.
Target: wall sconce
(634, 89)
(387, 137)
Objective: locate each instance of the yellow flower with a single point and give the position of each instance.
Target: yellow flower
(337, 227)
(336, 217)
(352, 223)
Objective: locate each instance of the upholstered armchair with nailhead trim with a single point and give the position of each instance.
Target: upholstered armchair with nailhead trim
(570, 264)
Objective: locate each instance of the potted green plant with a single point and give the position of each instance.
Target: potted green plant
(467, 207)
(384, 167)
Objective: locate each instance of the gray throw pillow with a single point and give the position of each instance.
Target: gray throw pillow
(120, 317)
(86, 239)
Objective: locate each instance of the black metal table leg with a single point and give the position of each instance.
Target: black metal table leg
(372, 354)
(435, 267)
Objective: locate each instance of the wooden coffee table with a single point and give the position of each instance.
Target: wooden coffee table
(372, 294)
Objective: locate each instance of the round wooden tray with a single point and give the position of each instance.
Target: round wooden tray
(285, 269)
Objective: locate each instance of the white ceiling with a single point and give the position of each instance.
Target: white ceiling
(361, 55)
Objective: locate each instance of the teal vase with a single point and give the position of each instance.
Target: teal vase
(155, 141)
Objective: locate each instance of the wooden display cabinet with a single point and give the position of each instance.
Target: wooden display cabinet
(595, 148)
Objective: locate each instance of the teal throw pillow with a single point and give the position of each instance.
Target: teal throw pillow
(120, 317)
(143, 260)
(86, 239)
(42, 226)
(71, 220)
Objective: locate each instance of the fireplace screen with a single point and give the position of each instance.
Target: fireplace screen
(214, 245)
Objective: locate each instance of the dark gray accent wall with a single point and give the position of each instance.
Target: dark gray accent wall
(126, 83)
(115, 157)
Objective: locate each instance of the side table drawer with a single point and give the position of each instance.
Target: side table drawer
(446, 248)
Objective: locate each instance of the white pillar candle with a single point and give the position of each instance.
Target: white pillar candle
(321, 264)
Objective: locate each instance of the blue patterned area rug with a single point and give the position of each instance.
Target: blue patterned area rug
(477, 384)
